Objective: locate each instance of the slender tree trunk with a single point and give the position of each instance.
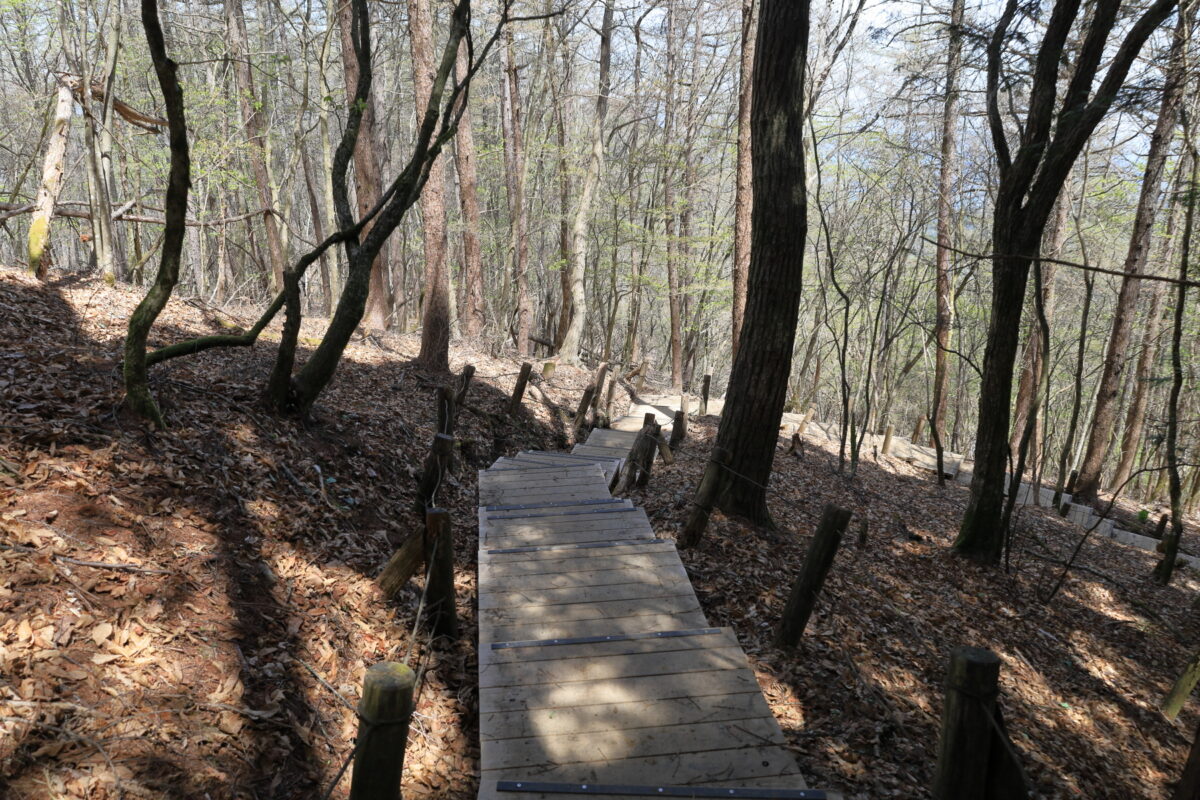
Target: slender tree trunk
(1104, 418)
(945, 221)
(514, 153)
(256, 133)
(569, 349)
(366, 177)
(472, 315)
(669, 230)
(758, 383)
(435, 330)
(743, 194)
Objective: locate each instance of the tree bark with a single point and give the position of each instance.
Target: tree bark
(743, 193)
(759, 379)
(473, 315)
(256, 134)
(1104, 418)
(514, 162)
(569, 349)
(51, 185)
(435, 325)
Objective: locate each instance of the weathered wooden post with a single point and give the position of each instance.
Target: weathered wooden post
(445, 410)
(704, 387)
(918, 430)
(887, 440)
(548, 369)
(435, 467)
(439, 554)
(384, 711)
(608, 396)
(808, 415)
(654, 432)
(601, 374)
(514, 405)
(706, 497)
(641, 384)
(464, 384)
(664, 449)
(817, 562)
(967, 717)
(403, 564)
(640, 458)
(1161, 534)
(581, 413)
(678, 429)
(683, 403)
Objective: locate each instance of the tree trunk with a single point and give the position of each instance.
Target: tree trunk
(472, 315)
(759, 379)
(945, 301)
(514, 162)
(743, 193)
(1104, 418)
(366, 176)
(256, 134)
(672, 243)
(569, 348)
(435, 326)
(51, 185)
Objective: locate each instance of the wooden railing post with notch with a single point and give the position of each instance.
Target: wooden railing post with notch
(706, 496)
(704, 387)
(654, 432)
(678, 429)
(514, 404)
(384, 712)
(641, 456)
(918, 430)
(464, 384)
(608, 397)
(887, 440)
(641, 384)
(445, 410)
(972, 682)
(436, 464)
(581, 413)
(817, 562)
(601, 374)
(439, 554)
(1161, 534)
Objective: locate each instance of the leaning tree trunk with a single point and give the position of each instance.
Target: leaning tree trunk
(137, 391)
(569, 349)
(52, 174)
(514, 161)
(1104, 418)
(759, 380)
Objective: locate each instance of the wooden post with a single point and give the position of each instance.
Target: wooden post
(918, 430)
(664, 450)
(464, 384)
(1161, 533)
(514, 405)
(706, 497)
(435, 467)
(384, 713)
(548, 369)
(640, 458)
(966, 737)
(683, 403)
(439, 554)
(887, 440)
(678, 429)
(581, 413)
(641, 384)
(601, 374)
(608, 396)
(704, 387)
(654, 432)
(817, 562)
(445, 410)
(1071, 482)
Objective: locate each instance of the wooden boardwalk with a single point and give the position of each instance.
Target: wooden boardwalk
(598, 672)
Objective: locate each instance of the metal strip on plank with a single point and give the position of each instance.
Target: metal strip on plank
(741, 793)
(533, 548)
(616, 637)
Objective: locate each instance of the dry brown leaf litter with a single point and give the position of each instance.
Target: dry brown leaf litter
(165, 597)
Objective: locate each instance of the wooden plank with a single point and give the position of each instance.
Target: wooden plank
(613, 668)
(664, 570)
(585, 693)
(589, 472)
(608, 516)
(505, 539)
(635, 587)
(660, 601)
(634, 553)
(564, 509)
(680, 769)
(521, 722)
(521, 495)
(550, 629)
(599, 650)
(605, 746)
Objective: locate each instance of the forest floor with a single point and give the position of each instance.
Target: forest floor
(190, 613)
